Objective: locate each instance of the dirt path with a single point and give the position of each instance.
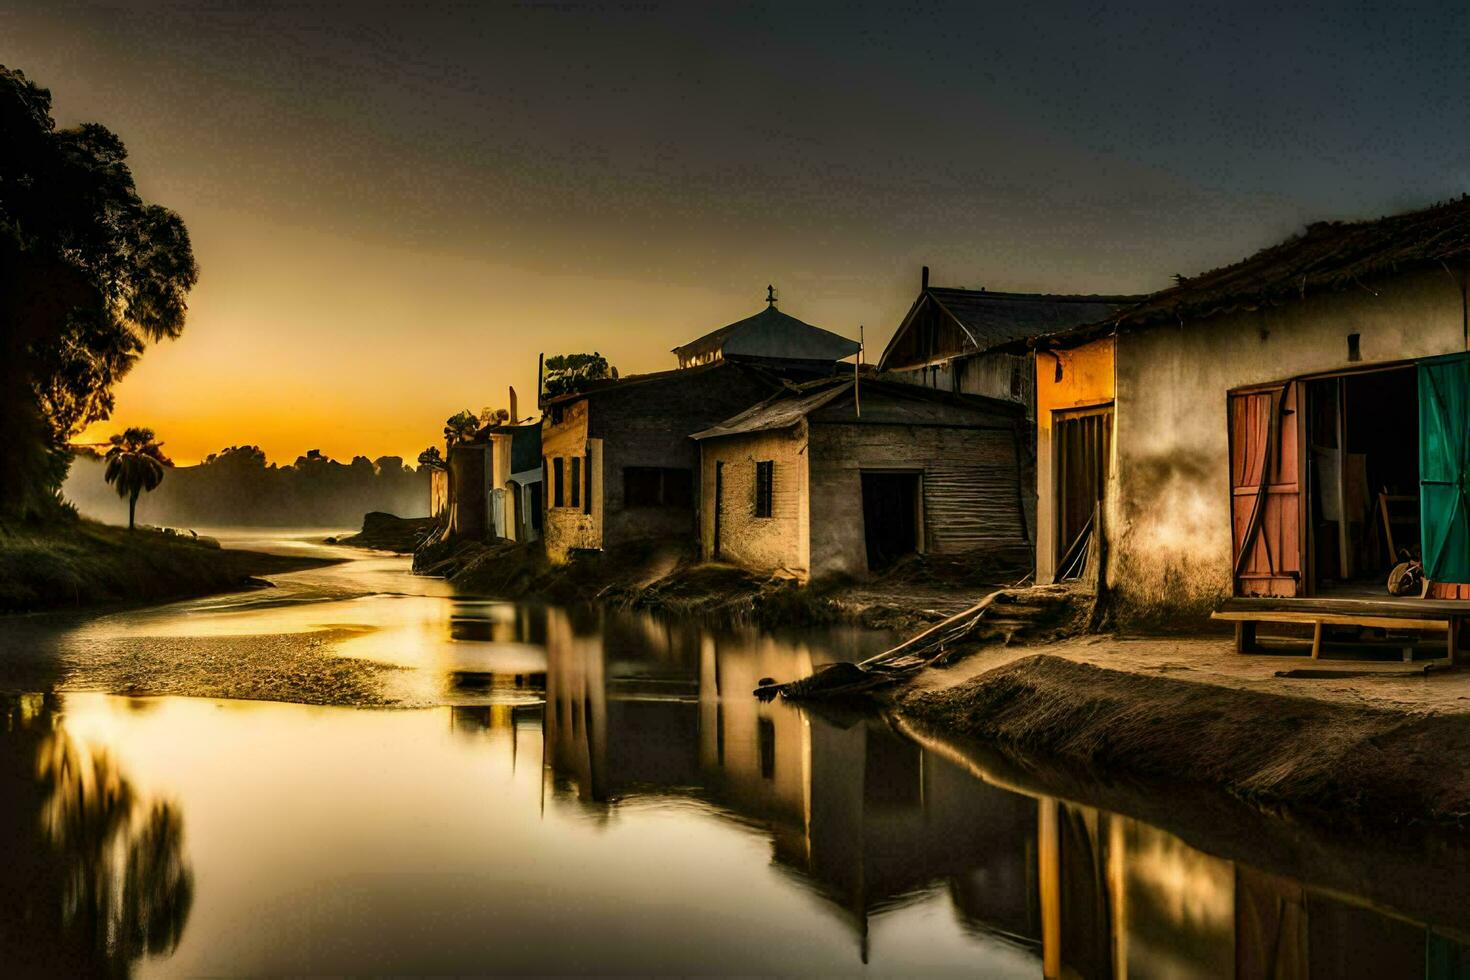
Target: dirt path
(1213, 660)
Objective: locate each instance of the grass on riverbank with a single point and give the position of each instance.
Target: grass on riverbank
(1342, 762)
(82, 563)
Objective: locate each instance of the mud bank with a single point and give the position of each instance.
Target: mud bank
(389, 532)
(1324, 760)
(668, 579)
(80, 564)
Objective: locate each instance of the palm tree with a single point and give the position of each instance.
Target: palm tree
(135, 465)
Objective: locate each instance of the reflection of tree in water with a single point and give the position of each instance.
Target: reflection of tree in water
(96, 877)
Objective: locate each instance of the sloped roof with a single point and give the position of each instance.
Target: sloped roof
(786, 408)
(994, 318)
(991, 319)
(1328, 255)
(772, 333)
(626, 381)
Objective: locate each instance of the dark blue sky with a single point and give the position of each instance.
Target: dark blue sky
(499, 179)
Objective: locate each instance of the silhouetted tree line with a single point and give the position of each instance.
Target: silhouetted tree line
(238, 486)
(89, 275)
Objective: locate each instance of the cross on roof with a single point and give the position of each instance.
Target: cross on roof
(771, 295)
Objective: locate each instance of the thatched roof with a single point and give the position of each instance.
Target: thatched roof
(1328, 255)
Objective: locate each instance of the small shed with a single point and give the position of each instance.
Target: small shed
(838, 476)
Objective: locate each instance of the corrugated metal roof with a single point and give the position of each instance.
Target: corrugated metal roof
(780, 411)
(789, 407)
(994, 318)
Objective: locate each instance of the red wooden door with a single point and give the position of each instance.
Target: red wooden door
(1266, 491)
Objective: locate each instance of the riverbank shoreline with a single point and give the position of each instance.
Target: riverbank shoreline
(82, 564)
(389, 532)
(670, 580)
(1373, 750)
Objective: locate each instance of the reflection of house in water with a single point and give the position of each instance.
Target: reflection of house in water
(1123, 898)
(516, 665)
(874, 822)
(866, 815)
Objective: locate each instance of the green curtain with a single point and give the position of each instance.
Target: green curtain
(1444, 467)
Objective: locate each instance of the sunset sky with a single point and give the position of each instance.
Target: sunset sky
(394, 210)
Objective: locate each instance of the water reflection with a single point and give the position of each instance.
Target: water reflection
(874, 822)
(600, 792)
(95, 875)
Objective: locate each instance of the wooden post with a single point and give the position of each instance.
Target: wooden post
(1317, 640)
(1245, 636)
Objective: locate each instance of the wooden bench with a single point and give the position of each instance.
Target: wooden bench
(1426, 616)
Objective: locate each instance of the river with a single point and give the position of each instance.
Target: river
(535, 789)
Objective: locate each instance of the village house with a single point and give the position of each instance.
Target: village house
(963, 340)
(492, 487)
(620, 466)
(1273, 436)
(847, 476)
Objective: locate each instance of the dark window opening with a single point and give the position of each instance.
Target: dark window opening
(657, 486)
(587, 490)
(890, 517)
(1355, 352)
(556, 482)
(576, 481)
(764, 477)
(1016, 376)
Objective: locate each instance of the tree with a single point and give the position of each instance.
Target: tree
(89, 274)
(135, 465)
(568, 373)
(494, 416)
(459, 427)
(431, 458)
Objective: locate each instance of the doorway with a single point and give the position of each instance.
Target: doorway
(1363, 473)
(891, 525)
(1081, 444)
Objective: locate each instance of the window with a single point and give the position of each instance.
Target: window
(764, 476)
(587, 490)
(1017, 365)
(576, 500)
(657, 486)
(556, 482)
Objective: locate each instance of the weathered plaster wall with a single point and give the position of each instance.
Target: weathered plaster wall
(969, 484)
(765, 544)
(1169, 524)
(1086, 382)
(568, 528)
(438, 492)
